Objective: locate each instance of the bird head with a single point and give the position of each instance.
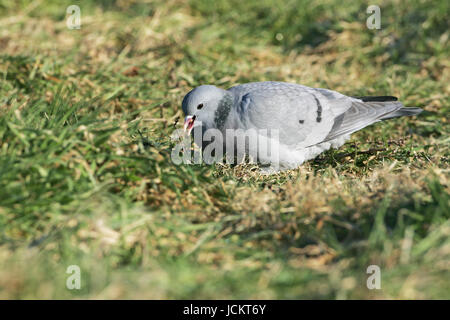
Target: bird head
(203, 105)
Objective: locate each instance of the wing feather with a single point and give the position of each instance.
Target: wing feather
(306, 116)
(360, 115)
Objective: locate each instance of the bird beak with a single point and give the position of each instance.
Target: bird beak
(188, 124)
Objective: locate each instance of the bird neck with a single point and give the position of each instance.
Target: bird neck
(223, 110)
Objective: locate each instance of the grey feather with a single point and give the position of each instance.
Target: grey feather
(362, 114)
(403, 112)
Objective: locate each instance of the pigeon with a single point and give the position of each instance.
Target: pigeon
(308, 121)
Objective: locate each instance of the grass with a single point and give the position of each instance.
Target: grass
(86, 177)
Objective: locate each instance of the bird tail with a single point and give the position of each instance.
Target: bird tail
(398, 113)
(402, 112)
(367, 111)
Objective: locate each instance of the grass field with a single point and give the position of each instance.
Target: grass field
(86, 176)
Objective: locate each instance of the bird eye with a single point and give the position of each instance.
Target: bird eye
(200, 106)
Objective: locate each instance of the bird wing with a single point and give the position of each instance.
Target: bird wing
(303, 116)
(360, 115)
(308, 116)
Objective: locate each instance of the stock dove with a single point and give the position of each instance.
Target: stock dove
(308, 120)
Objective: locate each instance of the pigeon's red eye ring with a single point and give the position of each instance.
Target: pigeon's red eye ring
(200, 106)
